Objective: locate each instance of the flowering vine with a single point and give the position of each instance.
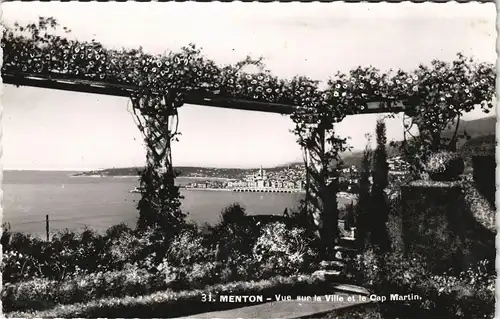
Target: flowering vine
(441, 94)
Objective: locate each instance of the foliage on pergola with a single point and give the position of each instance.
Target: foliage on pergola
(441, 90)
(432, 95)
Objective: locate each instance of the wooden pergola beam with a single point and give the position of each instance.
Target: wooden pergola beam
(86, 86)
(62, 82)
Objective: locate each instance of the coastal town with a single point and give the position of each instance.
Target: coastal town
(290, 179)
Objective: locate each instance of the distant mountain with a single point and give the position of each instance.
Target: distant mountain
(483, 127)
(474, 128)
(190, 171)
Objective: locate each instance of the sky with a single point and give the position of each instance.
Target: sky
(57, 130)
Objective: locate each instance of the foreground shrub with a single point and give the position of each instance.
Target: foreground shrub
(182, 303)
(221, 254)
(42, 293)
(282, 250)
(468, 295)
(188, 248)
(67, 253)
(72, 253)
(125, 248)
(233, 234)
(444, 166)
(192, 276)
(17, 266)
(479, 206)
(29, 257)
(189, 264)
(231, 240)
(358, 312)
(234, 214)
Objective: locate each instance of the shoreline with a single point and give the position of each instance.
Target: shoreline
(243, 191)
(206, 189)
(265, 191)
(207, 177)
(257, 192)
(137, 176)
(92, 176)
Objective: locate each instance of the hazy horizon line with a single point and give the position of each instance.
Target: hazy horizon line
(354, 150)
(132, 166)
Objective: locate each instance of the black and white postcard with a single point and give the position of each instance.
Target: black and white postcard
(248, 160)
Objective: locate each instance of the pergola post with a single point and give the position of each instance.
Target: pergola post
(322, 193)
(160, 202)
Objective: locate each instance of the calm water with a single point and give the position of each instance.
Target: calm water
(75, 202)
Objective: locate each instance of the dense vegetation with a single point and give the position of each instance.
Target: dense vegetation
(80, 267)
(468, 295)
(87, 274)
(94, 275)
(455, 293)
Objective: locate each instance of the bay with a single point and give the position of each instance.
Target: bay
(98, 203)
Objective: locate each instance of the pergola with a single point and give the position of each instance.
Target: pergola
(158, 85)
(203, 98)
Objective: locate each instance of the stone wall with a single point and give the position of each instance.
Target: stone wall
(438, 225)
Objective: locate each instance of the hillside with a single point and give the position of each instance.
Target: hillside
(190, 171)
(475, 128)
(484, 127)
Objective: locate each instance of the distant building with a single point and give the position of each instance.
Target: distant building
(291, 178)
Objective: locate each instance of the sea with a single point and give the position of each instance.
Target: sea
(100, 202)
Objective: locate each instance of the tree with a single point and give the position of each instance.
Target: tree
(380, 174)
(380, 166)
(350, 215)
(363, 209)
(232, 215)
